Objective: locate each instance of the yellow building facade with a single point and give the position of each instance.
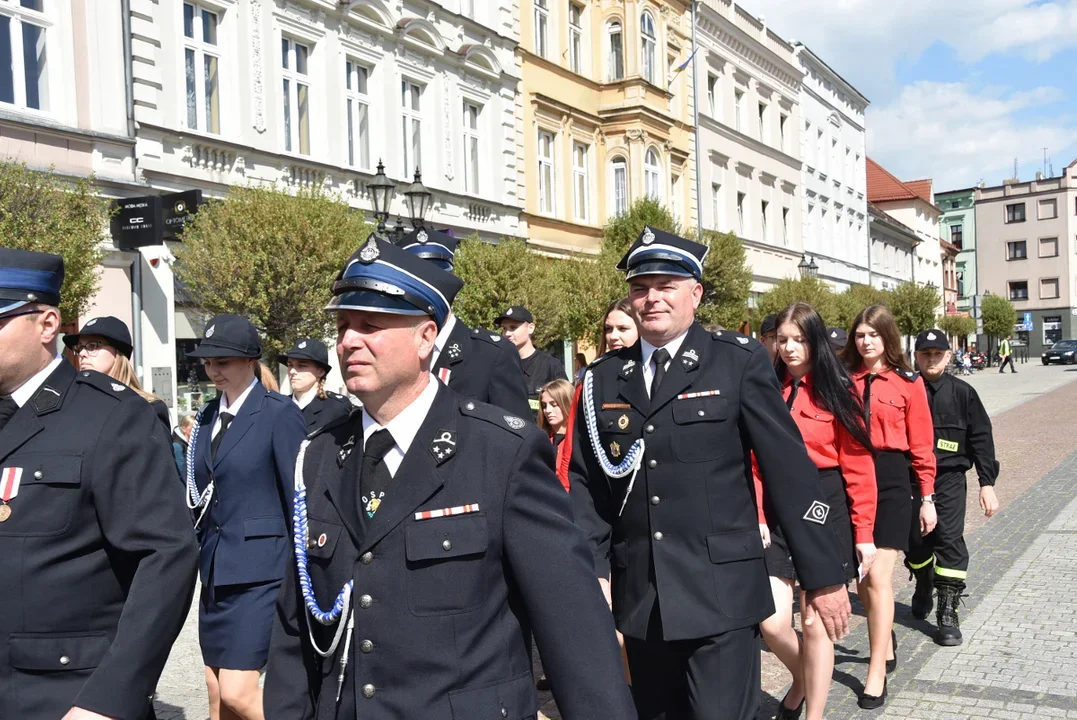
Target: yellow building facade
(606, 118)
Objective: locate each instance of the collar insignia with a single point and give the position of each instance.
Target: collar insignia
(689, 358)
(648, 236)
(454, 351)
(370, 251)
(444, 446)
(345, 451)
(627, 368)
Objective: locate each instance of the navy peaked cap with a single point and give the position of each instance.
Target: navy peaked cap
(111, 328)
(657, 252)
(307, 349)
(228, 336)
(27, 276)
(433, 245)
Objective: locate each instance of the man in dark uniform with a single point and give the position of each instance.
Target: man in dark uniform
(96, 549)
(432, 539)
(963, 438)
(518, 325)
(768, 335)
(837, 337)
(475, 363)
(660, 478)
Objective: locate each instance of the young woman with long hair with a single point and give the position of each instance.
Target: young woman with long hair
(104, 344)
(821, 397)
(896, 409)
(308, 366)
(618, 327)
(555, 402)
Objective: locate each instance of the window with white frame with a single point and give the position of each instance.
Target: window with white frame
(783, 119)
(716, 206)
(295, 74)
(762, 122)
(411, 125)
(357, 91)
(580, 186)
(741, 227)
(546, 172)
(619, 183)
(648, 42)
(542, 28)
(712, 94)
(575, 37)
(785, 226)
(738, 102)
(675, 196)
(652, 174)
(24, 63)
(472, 113)
(764, 207)
(201, 58)
(616, 61)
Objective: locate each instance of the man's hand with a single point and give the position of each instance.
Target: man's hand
(988, 500)
(928, 517)
(831, 605)
(606, 592)
(77, 713)
(764, 534)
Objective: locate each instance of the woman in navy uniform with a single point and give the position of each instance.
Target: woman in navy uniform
(239, 484)
(104, 345)
(308, 366)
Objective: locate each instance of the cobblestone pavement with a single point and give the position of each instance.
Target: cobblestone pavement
(1020, 630)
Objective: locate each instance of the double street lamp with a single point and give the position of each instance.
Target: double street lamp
(808, 269)
(417, 198)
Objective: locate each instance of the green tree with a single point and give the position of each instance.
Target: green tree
(727, 281)
(999, 316)
(913, 307)
(787, 291)
(618, 235)
(271, 257)
(958, 326)
(847, 305)
(46, 212)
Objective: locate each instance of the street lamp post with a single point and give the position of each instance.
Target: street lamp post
(417, 198)
(808, 269)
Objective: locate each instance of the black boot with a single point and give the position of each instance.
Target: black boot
(921, 597)
(949, 632)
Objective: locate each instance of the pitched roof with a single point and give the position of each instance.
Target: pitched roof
(922, 188)
(883, 187)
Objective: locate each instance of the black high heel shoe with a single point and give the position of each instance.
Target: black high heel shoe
(785, 713)
(872, 702)
(891, 665)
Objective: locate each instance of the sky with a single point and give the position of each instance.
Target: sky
(958, 88)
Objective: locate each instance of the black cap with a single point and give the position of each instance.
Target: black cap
(381, 277)
(27, 276)
(770, 324)
(228, 336)
(837, 337)
(933, 338)
(307, 349)
(433, 245)
(111, 328)
(517, 312)
(657, 252)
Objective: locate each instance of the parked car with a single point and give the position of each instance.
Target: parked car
(1063, 351)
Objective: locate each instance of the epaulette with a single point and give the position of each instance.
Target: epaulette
(332, 425)
(908, 375)
(102, 382)
(734, 338)
(486, 335)
(337, 397)
(495, 416)
(604, 356)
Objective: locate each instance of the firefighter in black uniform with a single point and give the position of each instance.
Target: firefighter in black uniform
(432, 538)
(96, 550)
(476, 363)
(308, 366)
(661, 481)
(962, 439)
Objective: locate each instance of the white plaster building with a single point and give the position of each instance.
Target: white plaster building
(892, 247)
(749, 127)
(832, 149)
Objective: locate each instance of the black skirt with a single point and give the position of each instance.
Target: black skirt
(779, 559)
(893, 516)
(234, 624)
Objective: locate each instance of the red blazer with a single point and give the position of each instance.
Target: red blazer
(901, 420)
(830, 445)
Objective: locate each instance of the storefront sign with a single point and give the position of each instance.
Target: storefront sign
(178, 211)
(138, 222)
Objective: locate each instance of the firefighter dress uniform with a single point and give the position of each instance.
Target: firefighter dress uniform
(317, 412)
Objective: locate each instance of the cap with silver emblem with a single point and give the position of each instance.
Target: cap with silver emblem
(27, 276)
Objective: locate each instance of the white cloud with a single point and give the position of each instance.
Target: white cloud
(958, 135)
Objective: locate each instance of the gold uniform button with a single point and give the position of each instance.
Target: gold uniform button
(366, 558)
(447, 545)
(365, 601)
(366, 646)
(368, 691)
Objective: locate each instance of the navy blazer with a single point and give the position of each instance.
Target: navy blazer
(245, 534)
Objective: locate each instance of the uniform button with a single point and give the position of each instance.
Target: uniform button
(658, 536)
(652, 464)
(38, 475)
(470, 406)
(366, 558)
(365, 601)
(700, 413)
(655, 500)
(366, 646)
(217, 528)
(311, 544)
(368, 691)
(447, 545)
(649, 428)
(65, 660)
(504, 712)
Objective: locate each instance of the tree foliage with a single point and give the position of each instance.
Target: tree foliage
(787, 291)
(913, 307)
(618, 235)
(999, 316)
(727, 281)
(959, 326)
(45, 212)
(271, 257)
(848, 304)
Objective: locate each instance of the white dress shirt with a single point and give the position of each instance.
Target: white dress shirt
(232, 409)
(304, 400)
(28, 388)
(442, 339)
(672, 347)
(404, 426)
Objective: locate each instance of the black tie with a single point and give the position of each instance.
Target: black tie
(867, 399)
(375, 477)
(226, 420)
(8, 408)
(793, 394)
(660, 357)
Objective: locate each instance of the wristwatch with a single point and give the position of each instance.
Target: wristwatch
(928, 499)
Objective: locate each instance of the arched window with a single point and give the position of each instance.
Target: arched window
(652, 174)
(618, 186)
(649, 40)
(616, 57)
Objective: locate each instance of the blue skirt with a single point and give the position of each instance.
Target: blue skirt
(234, 624)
